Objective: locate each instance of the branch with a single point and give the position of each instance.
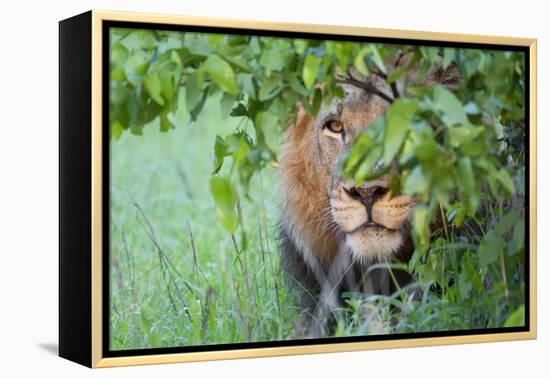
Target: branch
(394, 90)
(366, 86)
(393, 85)
(398, 60)
(384, 76)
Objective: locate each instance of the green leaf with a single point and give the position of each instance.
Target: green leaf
(517, 318)
(118, 74)
(456, 214)
(295, 84)
(396, 74)
(507, 222)
(152, 86)
(448, 57)
(301, 45)
(466, 174)
(147, 39)
(518, 236)
(367, 165)
(450, 106)
(166, 85)
(226, 104)
(220, 152)
(174, 57)
(342, 52)
(377, 58)
(421, 227)
(135, 67)
(399, 117)
(466, 182)
(499, 129)
(225, 198)
(270, 88)
(116, 130)
(310, 71)
(246, 84)
(276, 56)
(463, 134)
(316, 103)
(119, 54)
(240, 152)
(214, 39)
(362, 143)
(198, 44)
(193, 93)
(427, 151)
(506, 180)
(416, 182)
(471, 108)
(221, 73)
(430, 53)
(268, 123)
(464, 284)
(194, 113)
(359, 62)
(490, 248)
(165, 123)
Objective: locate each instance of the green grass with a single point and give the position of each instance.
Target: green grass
(177, 277)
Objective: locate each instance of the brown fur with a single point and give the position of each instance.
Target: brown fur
(312, 186)
(304, 200)
(325, 227)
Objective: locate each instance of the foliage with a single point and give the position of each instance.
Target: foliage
(460, 153)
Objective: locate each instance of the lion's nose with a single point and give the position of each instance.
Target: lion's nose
(368, 193)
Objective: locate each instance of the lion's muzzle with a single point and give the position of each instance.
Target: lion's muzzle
(371, 219)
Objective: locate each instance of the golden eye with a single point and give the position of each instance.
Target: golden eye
(334, 126)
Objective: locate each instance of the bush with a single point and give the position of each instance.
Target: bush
(460, 152)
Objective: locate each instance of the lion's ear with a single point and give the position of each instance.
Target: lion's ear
(448, 77)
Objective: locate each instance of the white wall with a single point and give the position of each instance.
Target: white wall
(28, 171)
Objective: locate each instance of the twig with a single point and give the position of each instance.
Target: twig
(184, 180)
(206, 310)
(398, 60)
(394, 90)
(193, 249)
(365, 85)
(383, 76)
(393, 85)
(165, 265)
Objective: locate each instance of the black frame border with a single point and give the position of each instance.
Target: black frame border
(107, 352)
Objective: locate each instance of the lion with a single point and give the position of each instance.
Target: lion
(332, 231)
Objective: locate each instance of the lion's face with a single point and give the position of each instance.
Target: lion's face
(371, 222)
(321, 213)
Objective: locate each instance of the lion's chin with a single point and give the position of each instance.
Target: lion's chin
(373, 244)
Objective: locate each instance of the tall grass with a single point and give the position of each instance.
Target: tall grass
(177, 277)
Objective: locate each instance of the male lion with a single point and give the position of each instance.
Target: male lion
(330, 229)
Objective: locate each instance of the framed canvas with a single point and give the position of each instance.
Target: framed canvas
(234, 189)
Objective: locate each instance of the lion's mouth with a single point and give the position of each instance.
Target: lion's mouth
(372, 226)
(373, 242)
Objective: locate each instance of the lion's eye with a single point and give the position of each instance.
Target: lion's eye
(334, 126)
